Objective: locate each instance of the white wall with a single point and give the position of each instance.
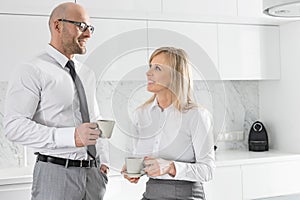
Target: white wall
(280, 100)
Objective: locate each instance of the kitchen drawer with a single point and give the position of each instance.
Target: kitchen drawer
(270, 179)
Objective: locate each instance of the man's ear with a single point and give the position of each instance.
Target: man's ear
(57, 26)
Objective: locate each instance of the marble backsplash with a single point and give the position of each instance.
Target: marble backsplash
(234, 105)
(11, 155)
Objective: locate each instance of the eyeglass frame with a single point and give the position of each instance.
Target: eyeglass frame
(79, 25)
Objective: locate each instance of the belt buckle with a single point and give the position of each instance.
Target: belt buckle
(89, 164)
(81, 161)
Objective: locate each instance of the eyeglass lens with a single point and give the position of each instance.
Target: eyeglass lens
(84, 26)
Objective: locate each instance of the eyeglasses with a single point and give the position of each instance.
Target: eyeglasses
(81, 25)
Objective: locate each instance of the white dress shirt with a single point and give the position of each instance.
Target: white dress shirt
(183, 137)
(42, 106)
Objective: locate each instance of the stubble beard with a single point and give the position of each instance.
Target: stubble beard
(72, 46)
(75, 48)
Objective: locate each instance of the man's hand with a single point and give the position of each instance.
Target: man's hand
(104, 169)
(86, 134)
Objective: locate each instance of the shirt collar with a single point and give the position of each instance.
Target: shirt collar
(59, 57)
(154, 105)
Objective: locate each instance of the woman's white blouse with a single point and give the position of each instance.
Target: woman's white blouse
(184, 137)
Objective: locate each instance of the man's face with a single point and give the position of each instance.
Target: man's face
(73, 39)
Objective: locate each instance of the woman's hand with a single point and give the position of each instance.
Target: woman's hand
(159, 167)
(131, 180)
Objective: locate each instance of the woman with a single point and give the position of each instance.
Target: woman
(174, 135)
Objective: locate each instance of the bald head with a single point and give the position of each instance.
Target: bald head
(66, 35)
(67, 10)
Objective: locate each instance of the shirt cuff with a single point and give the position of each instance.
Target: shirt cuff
(64, 137)
(180, 170)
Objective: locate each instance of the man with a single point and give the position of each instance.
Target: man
(45, 110)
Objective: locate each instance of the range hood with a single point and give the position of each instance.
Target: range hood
(282, 8)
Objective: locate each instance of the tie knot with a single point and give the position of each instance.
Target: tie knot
(70, 64)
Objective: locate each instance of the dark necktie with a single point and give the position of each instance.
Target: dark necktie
(91, 149)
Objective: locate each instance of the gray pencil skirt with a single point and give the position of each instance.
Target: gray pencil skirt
(159, 189)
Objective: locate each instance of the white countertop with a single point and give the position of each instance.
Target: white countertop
(223, 158)
(233, 157)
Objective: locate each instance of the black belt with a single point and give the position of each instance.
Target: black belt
(67, 162)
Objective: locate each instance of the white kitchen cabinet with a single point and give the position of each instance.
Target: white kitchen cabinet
(31, 7)
(248, 52)
(244, 175)
(203, 7)
(117, 50)
(271, 179)
(15, 183)
(216, 51)
(16, 191)
(25, 37)
(124, 8)
(253, 8)
(226, 184)
(199, 40)
(219, 11)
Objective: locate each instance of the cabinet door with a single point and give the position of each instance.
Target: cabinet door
(29, 6)
(253, 8)
(226, 184)
(16, 191)
(203, 7)
(25, 37)
(271, 179)
(248, 52)
(197, 39)
(124, 8)
(117, 50)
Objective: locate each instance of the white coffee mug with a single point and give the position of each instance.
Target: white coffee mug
(134, 165)
(106, 127)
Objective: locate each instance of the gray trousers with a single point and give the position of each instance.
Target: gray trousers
(158, 189)
(55, 182)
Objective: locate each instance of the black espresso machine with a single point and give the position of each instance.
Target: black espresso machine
(258, 137)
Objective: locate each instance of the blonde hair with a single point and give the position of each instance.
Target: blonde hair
(181, 83)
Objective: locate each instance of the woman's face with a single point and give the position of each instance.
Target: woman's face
(158, 74)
